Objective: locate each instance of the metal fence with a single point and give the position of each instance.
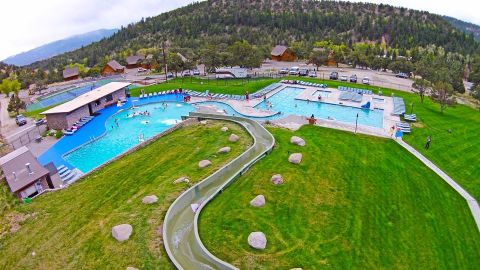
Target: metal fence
(25, 137)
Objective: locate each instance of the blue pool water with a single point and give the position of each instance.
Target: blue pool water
(285, 102)
(119, 139)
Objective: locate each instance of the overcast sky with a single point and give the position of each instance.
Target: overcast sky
(27, 24)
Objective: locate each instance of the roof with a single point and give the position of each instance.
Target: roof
(15, 162)
(115, 65)
(279, 50)
(88, 97)
(133, 59)
(184, 59)
(70, 72)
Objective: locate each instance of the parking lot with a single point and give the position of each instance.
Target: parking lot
(377, 78)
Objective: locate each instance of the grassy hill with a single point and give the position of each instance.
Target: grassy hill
(355, 202)
(71, 229)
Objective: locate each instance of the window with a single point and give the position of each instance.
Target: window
(108, 98)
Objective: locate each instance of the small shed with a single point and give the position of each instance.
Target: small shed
(112, 67)
(283, 53)
(25, 176)
(70, 74)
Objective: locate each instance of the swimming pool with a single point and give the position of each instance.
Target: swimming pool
(285, 102)
(119, 139)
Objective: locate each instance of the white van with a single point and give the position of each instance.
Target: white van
(294, 71)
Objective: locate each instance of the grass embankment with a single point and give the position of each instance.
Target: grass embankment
(355, 202)
(72, 228)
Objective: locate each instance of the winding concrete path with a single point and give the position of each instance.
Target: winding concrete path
(180, 230)
(472, 203)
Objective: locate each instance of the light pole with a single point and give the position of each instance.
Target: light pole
(356, 124)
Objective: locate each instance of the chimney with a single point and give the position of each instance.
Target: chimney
(14, 176)
(29, 168)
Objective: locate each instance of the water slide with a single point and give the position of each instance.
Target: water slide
(180, 228)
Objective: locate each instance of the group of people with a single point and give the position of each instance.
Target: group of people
(145, 113)
(186, 98)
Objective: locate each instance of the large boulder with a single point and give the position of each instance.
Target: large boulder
(224, 129)
(182, 179)
(224, 150)
(233, 138)
(150, 199)
(258, 201)
(295, 158)
(257, 240)
(277, 179)
(122, 232)
(297, 140)
(204, 163)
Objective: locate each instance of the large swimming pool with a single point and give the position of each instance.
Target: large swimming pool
(119, 139)
(285, 103)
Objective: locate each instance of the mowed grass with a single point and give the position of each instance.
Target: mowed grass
(355, 202)
(72, 228)
(227, 86)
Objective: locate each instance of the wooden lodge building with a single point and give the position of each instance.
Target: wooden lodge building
(112, 67)
(283, 53)
(70, 74)
(134, 61)
(65, 115)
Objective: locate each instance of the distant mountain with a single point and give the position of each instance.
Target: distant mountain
(58, 47)
(465, 26)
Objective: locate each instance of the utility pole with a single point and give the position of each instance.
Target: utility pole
(165, 60)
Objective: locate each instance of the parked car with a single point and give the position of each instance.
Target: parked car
(196, 72)
(353, 78)
(344, 78)
(186, 73)
(169, 75)
(303, 72)
(312, 74)
(294, 71)
(140, 69)
(402, 75)
(284, 71)
(366, 81)
(334, 76)
(40, 122)
(20, 120)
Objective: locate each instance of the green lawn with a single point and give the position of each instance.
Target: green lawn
(72, 228)
(355, 202)
(227, 86)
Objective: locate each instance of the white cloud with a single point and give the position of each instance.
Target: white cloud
(27, 24)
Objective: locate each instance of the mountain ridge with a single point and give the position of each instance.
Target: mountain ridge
(58, 47)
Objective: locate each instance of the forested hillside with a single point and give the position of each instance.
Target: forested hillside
(270, 22)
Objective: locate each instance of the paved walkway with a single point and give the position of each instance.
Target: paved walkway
(472, 203)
